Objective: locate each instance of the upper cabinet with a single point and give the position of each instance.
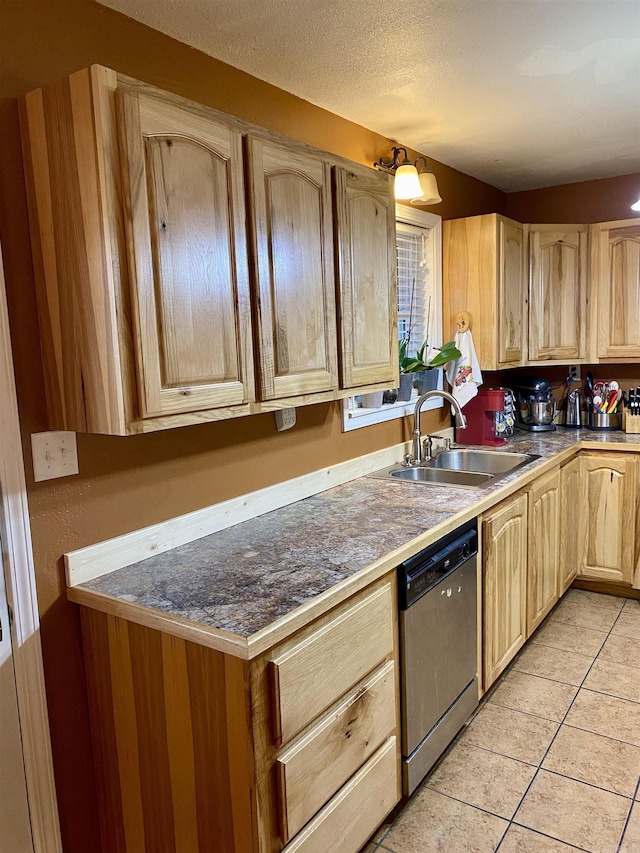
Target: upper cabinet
(366, 263)
(157, 308)
(615, 279)
(483, 273)
(558, 261)
(291, 206)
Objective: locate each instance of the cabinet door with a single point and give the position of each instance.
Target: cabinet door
(558, 291)
(291, 206)
(609, 480)
(573, 511)
(615, 271)
(184, 197)
(505, 592)
(544, 551)
(511, 292)
(366, 269)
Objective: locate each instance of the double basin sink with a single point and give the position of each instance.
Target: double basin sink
(461, 468)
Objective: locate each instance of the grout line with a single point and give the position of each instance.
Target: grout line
(589, 784)
(544, 835)
(626, 823)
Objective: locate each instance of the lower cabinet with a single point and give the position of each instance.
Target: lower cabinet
(196, 750)
(521, 570)
(572, 523)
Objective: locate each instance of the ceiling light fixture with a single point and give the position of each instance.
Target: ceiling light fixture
(407, 183)
(428, 184)
(636, 205)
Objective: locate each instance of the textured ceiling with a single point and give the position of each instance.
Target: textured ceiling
(519, 93)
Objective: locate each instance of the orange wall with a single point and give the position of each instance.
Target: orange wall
(589, 201)
(127, 483)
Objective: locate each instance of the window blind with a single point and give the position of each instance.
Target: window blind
(413, 274)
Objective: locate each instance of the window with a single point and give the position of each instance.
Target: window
(419, 259)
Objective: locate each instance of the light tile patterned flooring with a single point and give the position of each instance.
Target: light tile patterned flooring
(551, 761)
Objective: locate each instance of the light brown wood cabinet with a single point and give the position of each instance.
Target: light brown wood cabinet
(148, 317)
(558, 279)
(504, 540)
(615, 281)
(484, 273)
(366, 265)
(297, 749)
(610, 506)
(572, 523)
(543, 563)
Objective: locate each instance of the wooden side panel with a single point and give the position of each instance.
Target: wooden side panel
(573, 512)
(470, 276)
(316, 765)
(558, 291)
(293, 245)
(504, 534)
(69, 147)
(610, 483)
(349, 819)
(311, 675)
(188, 255)
(615, 274)
(172, 736)
(366, 270)
(544, 548)
(511, 292)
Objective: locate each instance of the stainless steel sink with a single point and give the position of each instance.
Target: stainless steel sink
(484, 461)
(459, 468)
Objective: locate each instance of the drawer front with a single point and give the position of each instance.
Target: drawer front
(315, 766)
(314, 673)
(356, 811)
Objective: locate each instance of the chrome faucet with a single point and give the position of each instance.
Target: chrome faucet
(461, 421)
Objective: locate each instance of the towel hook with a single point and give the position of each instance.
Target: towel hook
(463, 321)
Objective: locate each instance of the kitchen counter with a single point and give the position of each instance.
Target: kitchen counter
(252, 584)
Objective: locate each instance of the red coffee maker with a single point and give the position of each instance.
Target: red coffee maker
(485, 419)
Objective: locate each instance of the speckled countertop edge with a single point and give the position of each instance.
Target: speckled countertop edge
(243, 581)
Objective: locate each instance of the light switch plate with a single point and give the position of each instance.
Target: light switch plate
(285, 419)
(55, 454)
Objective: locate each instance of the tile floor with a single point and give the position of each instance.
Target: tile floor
(551, 761)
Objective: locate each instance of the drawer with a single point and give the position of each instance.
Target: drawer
(315, 672)
(315, 766)
(356, 811)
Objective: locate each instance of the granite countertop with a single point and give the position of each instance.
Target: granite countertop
(243, 579)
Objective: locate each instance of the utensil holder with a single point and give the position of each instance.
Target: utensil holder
(630, 423)
(601, 422)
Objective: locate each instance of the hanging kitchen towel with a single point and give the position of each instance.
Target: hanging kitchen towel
(464, 374)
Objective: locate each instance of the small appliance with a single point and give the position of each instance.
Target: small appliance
(486, 419)
(535, 406)
(573, 409)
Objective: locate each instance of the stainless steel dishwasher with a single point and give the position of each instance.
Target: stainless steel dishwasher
(437, 591)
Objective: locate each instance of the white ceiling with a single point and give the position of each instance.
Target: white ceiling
(519, 93)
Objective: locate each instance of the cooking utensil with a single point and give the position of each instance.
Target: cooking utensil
(589, 383)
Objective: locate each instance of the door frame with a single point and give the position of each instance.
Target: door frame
(22, 598)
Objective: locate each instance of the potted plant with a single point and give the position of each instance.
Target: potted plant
(423, 373)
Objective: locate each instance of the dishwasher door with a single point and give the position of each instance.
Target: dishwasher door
(438, 642)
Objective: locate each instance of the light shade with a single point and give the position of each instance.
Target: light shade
(636, 205)
(407, 183)
(429, 193)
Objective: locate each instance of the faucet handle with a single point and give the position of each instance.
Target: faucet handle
(447, 443)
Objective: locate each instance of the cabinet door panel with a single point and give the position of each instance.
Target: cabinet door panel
(610, 486)
(557, 307)
(543, 556)
(294, 265)
(572, 523)
(188, 258)
(365, 223)
(505, 593)
(616, 277)
(511, 292)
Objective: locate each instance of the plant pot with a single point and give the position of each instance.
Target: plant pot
(406, 387)
(425, 380)
(372, 400)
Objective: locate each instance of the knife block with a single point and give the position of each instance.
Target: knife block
(630, 423)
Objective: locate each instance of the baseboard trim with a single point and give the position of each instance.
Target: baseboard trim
(606, 588)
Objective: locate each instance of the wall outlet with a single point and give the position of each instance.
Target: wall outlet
(285, 419)
(55, 454)
(574, 371)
